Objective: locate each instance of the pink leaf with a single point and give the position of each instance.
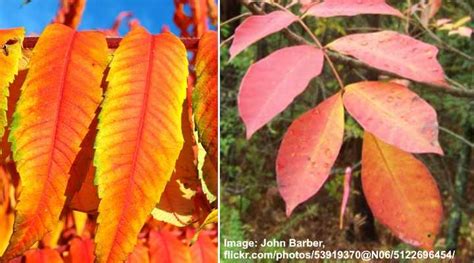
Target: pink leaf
(394, 114)
(434, 6)
(345, 195)
(272, 83)
(331, 8)
(308, 151)
(255, 28)
(394, 52)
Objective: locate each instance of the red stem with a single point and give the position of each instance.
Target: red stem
(113, 42)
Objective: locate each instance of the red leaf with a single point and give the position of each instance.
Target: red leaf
(166, 248)
(204, 250)
(394, 52)
(394, 114)
(330, 8)
(309, 150)
(272, 83)
(139, 255)
(82, 250)
(401, 192)
(46, 255)
(255, 28)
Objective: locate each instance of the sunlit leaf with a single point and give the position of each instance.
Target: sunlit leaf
(205, 105)
(176, 205)
(204, 250)
(10, 54)
(70, 12)
(57, 104)
(46, 255)
(139, 136)
(139, 255)
(81, 250)
(167, 248)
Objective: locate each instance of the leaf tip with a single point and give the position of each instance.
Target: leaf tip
(249, 133)
(289, 209)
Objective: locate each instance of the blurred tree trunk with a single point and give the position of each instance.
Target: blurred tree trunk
(460, 183)
(230, 9)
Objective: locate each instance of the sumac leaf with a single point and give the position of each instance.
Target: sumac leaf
(81, 250)
(204, 103)
(395, 53)
(204, 250)
(176, 205)
(56, 106)
(329, 8)
(257, 27)
(394, 114)
(272, 83)
(167, 248)
(10, 56)
(139, 255)
(308, 151)
(45, 255)
(139, 137)
(401, 192)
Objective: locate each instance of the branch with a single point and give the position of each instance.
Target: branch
(112, 42)
(343, 59)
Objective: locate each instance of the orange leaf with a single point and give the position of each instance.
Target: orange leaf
(308, 151)
(57, 104)
(401, 192)
(81, 250)
(205, 104)
(395, 114)
(139, 255)
(70, 12)
(176, 205)
(46, 255)
(199, 16)
(139, 136)
(86, 198)
(204, 250)
(81, 192)
(10, 54)
(167, 248)
(6, 213)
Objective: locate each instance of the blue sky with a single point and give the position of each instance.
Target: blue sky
(153, 14)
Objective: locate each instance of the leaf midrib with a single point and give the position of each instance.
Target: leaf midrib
(383, 110)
